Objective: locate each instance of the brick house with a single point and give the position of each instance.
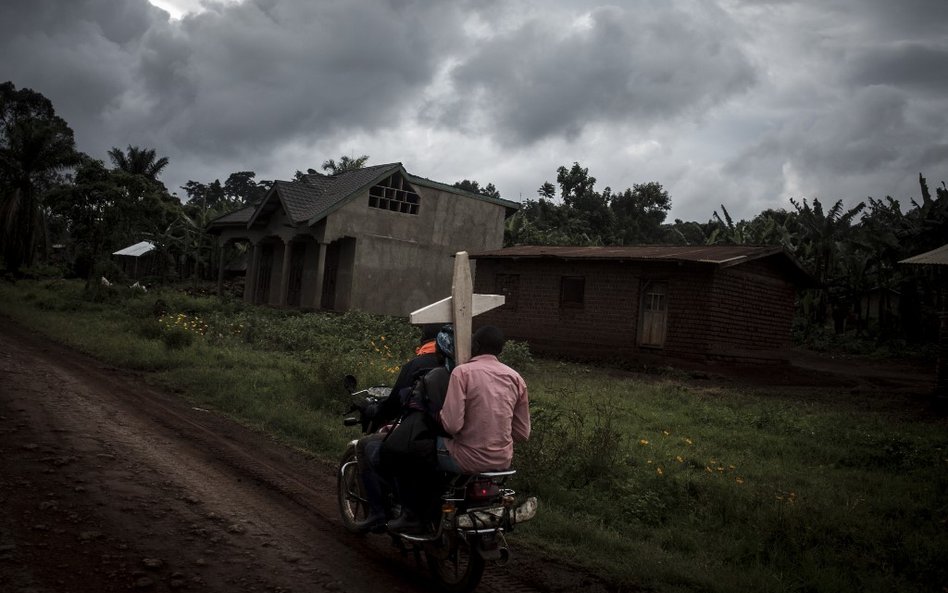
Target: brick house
(732, 303)
(376, 239)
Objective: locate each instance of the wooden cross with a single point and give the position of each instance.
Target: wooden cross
(459, 308)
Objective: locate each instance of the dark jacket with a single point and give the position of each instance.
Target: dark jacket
(391, 408)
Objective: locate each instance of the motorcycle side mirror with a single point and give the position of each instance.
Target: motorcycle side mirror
(350, 383)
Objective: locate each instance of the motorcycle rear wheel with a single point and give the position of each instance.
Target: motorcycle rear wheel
(457, 571)
(353, 507)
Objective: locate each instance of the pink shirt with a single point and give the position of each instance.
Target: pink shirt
(485, 410)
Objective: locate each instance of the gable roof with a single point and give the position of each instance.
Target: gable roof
(315, 196)
(236, 218)
(721, 256)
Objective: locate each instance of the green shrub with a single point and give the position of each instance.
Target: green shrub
(517, 355)
(177, 338)
(149, 329)
(41, 272)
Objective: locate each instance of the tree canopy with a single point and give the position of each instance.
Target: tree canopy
(584, 216)
(138, 161)
(36, 145)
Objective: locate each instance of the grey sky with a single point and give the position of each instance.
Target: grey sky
(745, 103)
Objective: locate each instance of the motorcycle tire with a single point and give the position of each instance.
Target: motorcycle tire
(353, 507)
(457, 571)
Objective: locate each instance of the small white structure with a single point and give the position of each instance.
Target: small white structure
(136, 250)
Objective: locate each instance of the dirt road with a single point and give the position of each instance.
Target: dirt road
(109, 485)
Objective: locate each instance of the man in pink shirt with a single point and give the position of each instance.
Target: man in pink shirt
(485, 410)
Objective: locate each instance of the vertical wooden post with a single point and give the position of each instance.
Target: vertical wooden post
(462, 292)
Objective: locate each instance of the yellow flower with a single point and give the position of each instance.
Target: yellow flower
(659, 471)
(643, 442)
(687, 440)
(680, 459)
(739, 480)
(665, 432)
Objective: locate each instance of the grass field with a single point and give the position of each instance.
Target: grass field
(652, 481)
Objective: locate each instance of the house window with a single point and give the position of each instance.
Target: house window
(572, 291)
(509, 286)
(394, 194)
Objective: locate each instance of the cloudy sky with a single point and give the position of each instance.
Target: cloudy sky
(744, 103)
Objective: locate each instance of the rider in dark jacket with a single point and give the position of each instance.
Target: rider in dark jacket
(415, 473)
(368, 447)
(425, 358)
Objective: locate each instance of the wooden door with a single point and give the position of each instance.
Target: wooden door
(654, 316)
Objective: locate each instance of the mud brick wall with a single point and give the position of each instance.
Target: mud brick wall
(753, 306)
(605, 322)
(739, 314)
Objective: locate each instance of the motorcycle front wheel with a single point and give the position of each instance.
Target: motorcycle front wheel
(458, 570)
(353, 506)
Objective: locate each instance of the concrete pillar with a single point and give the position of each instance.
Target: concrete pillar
(250, 281)
(285, 273)
(320, 275)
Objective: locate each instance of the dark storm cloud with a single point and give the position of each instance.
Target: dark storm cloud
(234, 77)
(749, 100)
(871, 140)
(79, 54)
(552, 78)
(914, 66)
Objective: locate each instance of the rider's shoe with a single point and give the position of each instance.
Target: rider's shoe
(373, 523)
(406, 523)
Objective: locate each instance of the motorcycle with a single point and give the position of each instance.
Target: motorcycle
(475, 510)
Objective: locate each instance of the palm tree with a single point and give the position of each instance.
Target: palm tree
(35, 145)
(138, 161)
(821, 236)
(345, 164)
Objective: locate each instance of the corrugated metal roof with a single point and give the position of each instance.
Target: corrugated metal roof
(136, 250)
(718, 255)
(936, 257)
(714, 254)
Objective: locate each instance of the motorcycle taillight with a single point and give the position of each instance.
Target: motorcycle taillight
(482, 490)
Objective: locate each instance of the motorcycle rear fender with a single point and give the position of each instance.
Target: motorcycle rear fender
(494, 516)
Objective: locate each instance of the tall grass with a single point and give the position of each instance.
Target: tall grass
(655, 483)
(718, 490)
